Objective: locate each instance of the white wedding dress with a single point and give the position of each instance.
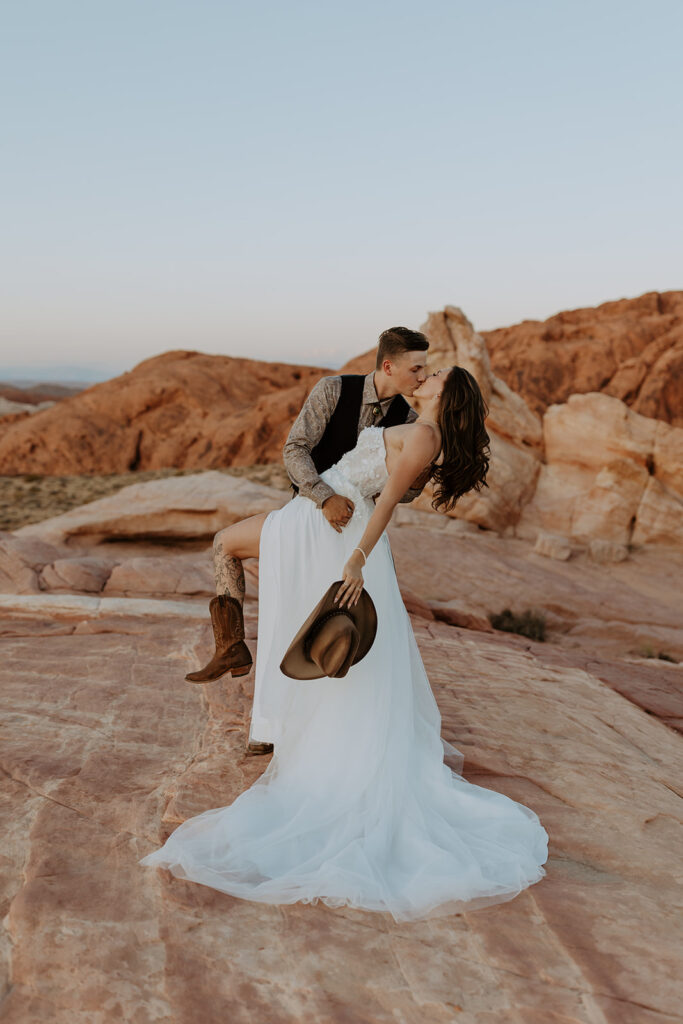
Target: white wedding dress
(357, 806)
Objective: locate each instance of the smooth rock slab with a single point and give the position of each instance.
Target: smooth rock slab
(21, 560)
(85, 573)
(161, 576)
(552, 545)
(193, 506)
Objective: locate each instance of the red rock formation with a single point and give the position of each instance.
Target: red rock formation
(182, 409)
(631, 349)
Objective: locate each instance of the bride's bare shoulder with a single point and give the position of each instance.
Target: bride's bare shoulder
(401, 431)
(420, 437)
(426, 429)
(422, 427)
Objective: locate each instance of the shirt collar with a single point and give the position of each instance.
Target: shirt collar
(370, 392)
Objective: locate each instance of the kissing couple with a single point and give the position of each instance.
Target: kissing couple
(357, 806)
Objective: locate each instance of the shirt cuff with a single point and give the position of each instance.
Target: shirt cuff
(319, 492)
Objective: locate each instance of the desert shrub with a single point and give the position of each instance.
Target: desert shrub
(648, 652)
(527, 623)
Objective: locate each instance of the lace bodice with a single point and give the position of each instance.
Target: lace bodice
(363, 469)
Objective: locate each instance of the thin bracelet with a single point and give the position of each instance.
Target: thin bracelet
(365, 557)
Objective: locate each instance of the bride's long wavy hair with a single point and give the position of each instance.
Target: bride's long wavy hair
(465, 442)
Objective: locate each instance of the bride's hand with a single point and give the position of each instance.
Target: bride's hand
(352, 585)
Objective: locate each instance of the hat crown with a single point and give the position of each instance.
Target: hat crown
(334, 646)
(332, 639)
(317, 626)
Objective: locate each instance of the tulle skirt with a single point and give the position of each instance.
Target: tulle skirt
(357, 806)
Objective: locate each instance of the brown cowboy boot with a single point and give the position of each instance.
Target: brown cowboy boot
(232, 654)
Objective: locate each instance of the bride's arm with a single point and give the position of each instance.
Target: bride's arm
(417, 453)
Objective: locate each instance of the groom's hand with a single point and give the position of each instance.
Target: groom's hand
(337, 510)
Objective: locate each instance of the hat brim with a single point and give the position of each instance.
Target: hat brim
(297, 665)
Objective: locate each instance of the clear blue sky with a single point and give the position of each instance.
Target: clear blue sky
(283, 180)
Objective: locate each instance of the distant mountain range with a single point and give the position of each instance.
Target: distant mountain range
(28, 392)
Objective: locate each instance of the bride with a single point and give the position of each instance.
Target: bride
(357, 807)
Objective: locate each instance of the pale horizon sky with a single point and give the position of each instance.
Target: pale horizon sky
(284, 181)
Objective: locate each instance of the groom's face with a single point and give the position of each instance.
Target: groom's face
(408, 371)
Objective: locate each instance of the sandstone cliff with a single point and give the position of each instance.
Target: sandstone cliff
(181, 409)
(590, 471)
(631, 349)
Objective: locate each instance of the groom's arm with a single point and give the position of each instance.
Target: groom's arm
(307, 429)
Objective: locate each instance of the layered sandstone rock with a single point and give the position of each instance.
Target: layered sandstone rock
(609, 474)
(155, 539)
(181, 409)
(189, 507)
(22, 559)
(590, 470)
(631, 349)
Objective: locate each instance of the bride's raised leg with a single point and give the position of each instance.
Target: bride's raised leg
(230, 546)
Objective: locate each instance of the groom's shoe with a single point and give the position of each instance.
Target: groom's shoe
(232, 654)
(259, 748)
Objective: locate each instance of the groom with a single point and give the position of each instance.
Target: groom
(332, 417)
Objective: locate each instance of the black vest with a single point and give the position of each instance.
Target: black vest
(341, 433)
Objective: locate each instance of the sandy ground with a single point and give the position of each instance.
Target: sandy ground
(31, 498)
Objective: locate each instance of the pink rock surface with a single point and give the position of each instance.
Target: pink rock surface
(80, 574)
(611, 607)
(455, 613)
(107, 749)
(150, 575)
(21, 561)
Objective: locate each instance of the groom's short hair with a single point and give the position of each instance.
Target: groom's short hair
(396, 340)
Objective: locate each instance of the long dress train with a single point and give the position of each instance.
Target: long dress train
(357, 806)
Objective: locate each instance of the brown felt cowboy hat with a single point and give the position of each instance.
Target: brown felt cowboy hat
(332, 639)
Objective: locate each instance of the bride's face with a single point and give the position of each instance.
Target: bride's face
(433, 384)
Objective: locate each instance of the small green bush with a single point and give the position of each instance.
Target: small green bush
(528, 623)
(648, 652)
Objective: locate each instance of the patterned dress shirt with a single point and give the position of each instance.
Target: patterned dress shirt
(309, 427)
